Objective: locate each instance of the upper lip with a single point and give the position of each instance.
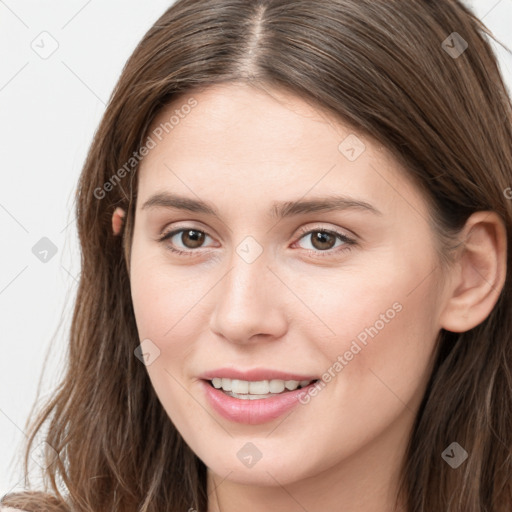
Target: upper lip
(254, 374)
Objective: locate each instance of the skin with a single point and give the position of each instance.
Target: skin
(241, 149)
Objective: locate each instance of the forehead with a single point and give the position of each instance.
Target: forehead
(238, 139)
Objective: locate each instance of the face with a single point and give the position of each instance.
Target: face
(267, 290)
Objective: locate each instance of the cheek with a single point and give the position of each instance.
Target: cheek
(165, 304)
(384, 324)
(170, 303)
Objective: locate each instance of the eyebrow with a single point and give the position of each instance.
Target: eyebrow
(279, 210)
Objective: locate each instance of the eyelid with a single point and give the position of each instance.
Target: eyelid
(309, 229)
(302, 231)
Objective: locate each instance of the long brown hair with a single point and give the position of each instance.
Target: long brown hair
(394, 70)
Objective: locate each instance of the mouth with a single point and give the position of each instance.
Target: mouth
(257, 390)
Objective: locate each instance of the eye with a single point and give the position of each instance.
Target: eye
(324, 241)
(190, 237)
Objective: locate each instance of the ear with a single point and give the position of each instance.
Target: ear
(479, 273)
(117, 220)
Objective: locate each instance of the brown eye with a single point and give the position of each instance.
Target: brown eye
(192, 238)
(183, 241)
(322, 240)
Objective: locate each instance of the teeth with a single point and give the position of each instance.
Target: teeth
(225, 384)
(257, 388)
(261, 387)
(276, 386)
(292, 384)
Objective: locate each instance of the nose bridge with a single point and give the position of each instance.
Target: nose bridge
(245, 305)
(245, 286)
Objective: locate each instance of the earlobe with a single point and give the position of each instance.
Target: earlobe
(117, 220)
(480, 273)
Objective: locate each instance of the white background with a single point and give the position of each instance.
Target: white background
(50, 109)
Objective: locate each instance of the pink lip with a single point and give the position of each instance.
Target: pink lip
(254, 375)
(252, 412)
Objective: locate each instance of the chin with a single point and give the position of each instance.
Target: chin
(265, 472)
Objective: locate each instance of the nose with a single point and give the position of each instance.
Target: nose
(249, 304)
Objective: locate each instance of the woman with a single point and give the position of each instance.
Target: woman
(295, 287)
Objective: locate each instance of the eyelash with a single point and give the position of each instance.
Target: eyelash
(349, 242)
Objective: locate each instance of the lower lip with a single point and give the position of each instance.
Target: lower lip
(252, 412)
